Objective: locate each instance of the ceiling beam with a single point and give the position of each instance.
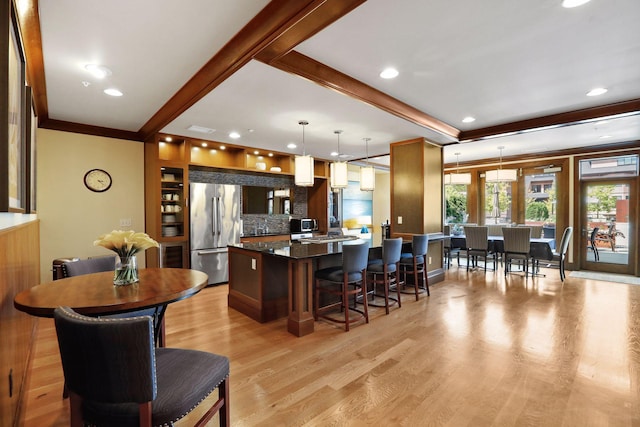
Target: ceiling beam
(90, 130)
(301, 65)
(264, 28)
(553, 120)
(32, 41)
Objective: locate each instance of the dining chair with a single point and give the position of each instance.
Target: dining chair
(517, 246)
(450, 248)
(116, 376)
(414, 264)
(385, 271)
(561, 254)
(591, 244)
(107, 263)
(344, 281)
(477, 242)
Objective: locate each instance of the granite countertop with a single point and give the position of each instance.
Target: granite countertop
(297, 250)
(265, 235)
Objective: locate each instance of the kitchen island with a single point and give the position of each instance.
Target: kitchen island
(270, 280)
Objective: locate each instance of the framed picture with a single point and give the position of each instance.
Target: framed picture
(13, 192)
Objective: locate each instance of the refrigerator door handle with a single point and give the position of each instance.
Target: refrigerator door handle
(218, 220)
(214, 216)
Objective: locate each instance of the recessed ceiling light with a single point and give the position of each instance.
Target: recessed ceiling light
(204, 144)
(168, 139)
(270, 154)
(597, 91)
(573, 3)
(291, 146)
(86, 83)
(213, 151)
(234, 135)
(222, 147)
(98, 71)
(113, 92)
(389, 73)
(256, 152)
(468, 119)
(334, 153)
(605, 136)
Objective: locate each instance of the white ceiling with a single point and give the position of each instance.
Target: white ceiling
(499, 61)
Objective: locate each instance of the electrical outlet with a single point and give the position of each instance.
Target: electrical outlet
(125, 222)
(253, 263)
(399, 220)
(429, 260)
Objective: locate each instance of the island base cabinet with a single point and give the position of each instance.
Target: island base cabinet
(255, 291)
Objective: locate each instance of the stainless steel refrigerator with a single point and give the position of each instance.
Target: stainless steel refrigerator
(215, 223)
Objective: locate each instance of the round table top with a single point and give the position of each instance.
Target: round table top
(95, 294)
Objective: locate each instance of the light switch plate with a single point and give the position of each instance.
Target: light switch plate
(399, 220)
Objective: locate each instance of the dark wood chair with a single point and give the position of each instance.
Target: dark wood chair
(517, 246)
(385, 272)
(116, 376)
(414, 265)
(345, 281)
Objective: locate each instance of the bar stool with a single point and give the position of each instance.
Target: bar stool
(414, 263)
(344, 281)
(385, 271)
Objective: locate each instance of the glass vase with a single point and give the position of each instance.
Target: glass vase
(126, 270)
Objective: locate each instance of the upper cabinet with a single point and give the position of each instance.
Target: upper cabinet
(189, 151)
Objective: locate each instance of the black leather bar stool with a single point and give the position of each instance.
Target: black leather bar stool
(344, 281)
(385, 272)
(414, 264)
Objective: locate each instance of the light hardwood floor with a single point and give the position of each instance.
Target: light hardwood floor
(481, 351)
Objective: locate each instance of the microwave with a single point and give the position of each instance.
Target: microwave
(303, 225)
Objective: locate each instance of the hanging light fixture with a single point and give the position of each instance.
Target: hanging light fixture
(303, 173)
(457, 178)
(339, 178)
(501, 175)
(367, 173)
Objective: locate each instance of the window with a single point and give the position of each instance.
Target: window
(455, 203)
(609, 167)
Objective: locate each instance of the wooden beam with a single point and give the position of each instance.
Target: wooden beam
(264, 28)
(301, 65)
(32, 41)
(562, 119)
(90, 130)
(324, 15)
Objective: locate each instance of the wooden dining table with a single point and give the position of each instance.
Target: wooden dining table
(95, 294)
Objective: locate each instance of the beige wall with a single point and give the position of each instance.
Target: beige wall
(381, 200)
(71, 216)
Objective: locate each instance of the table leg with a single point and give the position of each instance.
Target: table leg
(300, 283)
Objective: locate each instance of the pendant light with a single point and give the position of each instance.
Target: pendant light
(457, 178)
(501, 175)
(303, 173)
(339, 178)
(367, 173)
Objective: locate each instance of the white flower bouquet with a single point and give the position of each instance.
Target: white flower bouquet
(126, 244)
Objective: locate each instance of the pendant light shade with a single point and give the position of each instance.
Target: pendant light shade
(367, 173)
(303, 172)
(457, 178)
(338, 170)
(501, 175)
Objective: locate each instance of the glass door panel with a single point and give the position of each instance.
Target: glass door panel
(606, 237)
(540, 203)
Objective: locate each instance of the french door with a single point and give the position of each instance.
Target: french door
(607, 226)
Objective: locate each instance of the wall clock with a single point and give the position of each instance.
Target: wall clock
(97, 180)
